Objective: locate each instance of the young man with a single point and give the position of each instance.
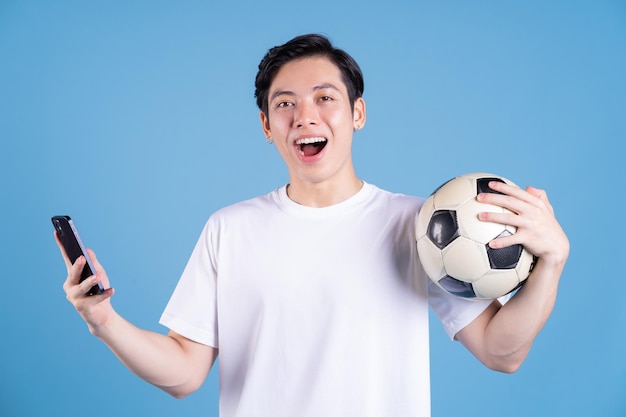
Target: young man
(313, 293)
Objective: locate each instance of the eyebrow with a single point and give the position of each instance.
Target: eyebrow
(291, 93)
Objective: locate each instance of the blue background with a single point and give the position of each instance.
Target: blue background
(138, 120)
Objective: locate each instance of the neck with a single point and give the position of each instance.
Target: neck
(323, 194)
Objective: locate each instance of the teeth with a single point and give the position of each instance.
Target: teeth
(305, 141)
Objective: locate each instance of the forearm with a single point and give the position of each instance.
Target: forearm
(171, 362)
(157, 358)
(501, 336)
(512, 330)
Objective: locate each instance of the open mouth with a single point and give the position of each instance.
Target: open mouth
(311, 146)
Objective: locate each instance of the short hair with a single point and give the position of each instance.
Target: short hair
(306, 46)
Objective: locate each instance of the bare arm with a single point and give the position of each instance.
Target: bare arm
(171, 362)
(502, 336)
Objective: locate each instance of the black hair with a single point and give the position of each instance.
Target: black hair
(306, 46)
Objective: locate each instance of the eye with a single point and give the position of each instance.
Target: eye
(325, 98)
(283, 104)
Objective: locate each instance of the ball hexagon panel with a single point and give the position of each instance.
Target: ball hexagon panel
(454, 193)
(465, 259)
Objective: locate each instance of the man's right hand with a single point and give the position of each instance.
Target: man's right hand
(94, 309)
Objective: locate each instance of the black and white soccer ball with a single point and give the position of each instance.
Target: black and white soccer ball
(452, 243)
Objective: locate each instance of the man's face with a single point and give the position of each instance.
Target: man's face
(311, 121)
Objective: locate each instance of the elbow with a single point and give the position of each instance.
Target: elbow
(181, 391)
(178, 395)
(506, 360)
(505, 365)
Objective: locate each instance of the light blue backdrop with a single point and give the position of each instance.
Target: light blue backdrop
(138, 120)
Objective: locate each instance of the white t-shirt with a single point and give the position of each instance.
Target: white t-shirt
(315, 311)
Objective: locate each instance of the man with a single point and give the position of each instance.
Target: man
(313, 293)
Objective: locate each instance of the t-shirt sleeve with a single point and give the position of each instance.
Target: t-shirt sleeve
(192, 308)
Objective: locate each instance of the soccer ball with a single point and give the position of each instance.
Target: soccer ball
(452, 243)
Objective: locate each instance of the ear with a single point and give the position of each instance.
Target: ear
(359, 114)
(265, 123)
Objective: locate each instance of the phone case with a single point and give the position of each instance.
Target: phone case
(70, 239)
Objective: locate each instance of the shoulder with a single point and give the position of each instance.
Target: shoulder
(397, 201)
(237, 218)
(244, 213)
(251, 206)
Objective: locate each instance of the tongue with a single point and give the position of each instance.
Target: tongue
(311, 149)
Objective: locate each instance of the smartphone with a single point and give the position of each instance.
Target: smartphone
(68, 235)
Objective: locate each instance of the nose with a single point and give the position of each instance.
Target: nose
(305, 115)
